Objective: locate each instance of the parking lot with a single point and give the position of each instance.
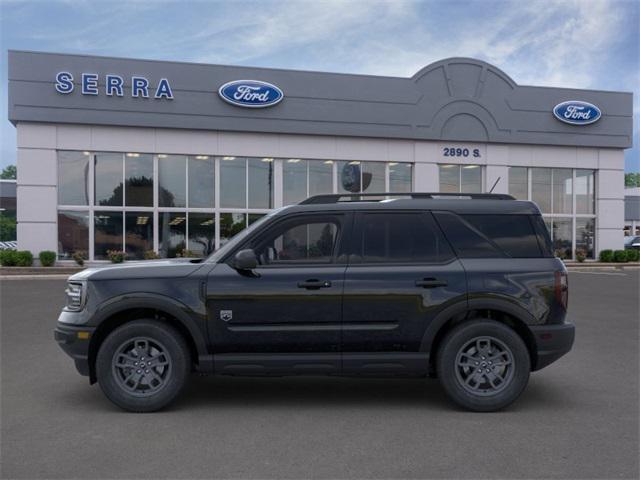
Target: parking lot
(578, 418)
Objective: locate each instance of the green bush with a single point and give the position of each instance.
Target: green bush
(8, 258)
(620, 256)
(116, 256)
(80, 256)
(633, 255)
(24, 258)
(151, 255)
(581, 254)
(606, 256)
(186, 253)
(47, 258)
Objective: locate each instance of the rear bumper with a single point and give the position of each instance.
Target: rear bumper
(74, 345)
(552, 342)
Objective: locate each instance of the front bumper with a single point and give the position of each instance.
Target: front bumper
(74, 340)
(552, 342)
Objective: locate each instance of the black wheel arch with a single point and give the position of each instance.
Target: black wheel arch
(119, 311)
(496, 308)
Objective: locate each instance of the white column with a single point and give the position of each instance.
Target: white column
(426, 177)
(37, 188)
(610, 200)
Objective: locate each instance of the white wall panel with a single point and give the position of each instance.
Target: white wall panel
(37, 167)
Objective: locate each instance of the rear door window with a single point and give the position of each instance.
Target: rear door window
(468, 241)
(399, 237)
(514, 234)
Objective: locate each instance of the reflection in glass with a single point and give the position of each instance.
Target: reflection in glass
(233, 182)
(471, 179)
(400, 177)
(562, 190)
(73, 178)
(449, 178)
(201, 182)
(138, 173)
(108, 233)
(294, 180)
(373, 174)
(320, 177)
(541, 188)
(562, 236)
(172, 180)
(518, 184)
(202, 233)
(73, 233)
(254, 217)
(585, 191)
(585, 235)
(260, 182)
(231, 224)
(108, 179)
(172, 233)
(138, 234)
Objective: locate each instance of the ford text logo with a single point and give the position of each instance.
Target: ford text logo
(576, 112)
(250, 93)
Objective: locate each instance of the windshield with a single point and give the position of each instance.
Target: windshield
(239, 237)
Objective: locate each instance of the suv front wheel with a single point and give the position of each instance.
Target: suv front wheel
(483, 365)
(143, 365)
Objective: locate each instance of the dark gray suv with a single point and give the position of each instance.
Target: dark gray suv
(464, 287)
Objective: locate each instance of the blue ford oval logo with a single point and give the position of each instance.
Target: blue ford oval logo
(250, 93)
(576, 112)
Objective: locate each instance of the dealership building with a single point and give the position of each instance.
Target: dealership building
(140, 155)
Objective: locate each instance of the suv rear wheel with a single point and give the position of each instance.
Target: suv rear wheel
(143, 365)
(483, 365)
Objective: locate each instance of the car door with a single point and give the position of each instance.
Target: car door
(291, 305)
(402, 273)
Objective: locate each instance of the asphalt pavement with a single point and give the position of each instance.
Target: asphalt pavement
(578, 418)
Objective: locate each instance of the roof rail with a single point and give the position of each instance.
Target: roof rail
(366, 197)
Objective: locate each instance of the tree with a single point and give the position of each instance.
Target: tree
(9, 173)
(632, 179)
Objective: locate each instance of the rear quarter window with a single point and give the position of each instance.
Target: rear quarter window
(491, 236)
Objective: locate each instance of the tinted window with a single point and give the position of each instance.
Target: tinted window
(400, 237)
(514, 234)
(303, 241)
(467, 240)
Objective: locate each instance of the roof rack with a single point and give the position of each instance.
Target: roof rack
(366, 197)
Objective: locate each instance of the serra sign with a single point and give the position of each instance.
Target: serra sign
(113, 85)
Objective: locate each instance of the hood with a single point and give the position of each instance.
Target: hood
(167, 268)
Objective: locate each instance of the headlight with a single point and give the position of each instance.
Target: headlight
(75, 296)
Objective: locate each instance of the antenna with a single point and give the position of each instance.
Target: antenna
(494, 185)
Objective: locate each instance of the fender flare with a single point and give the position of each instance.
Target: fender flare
(498, 303)
(178, 310)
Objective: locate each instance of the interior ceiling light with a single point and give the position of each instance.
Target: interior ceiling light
(202, 157)
(471, 166)
(293, 160)
(267, 159)
(228, 158)
(162, 155)
(133, 154)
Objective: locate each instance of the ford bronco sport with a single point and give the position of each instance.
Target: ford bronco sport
(464, 287)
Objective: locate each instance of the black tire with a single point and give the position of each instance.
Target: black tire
(140, 383)
(483, 365)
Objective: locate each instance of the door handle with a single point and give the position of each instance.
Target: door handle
(314, 284)
(431, 283)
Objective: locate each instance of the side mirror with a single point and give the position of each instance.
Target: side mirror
(245, 260)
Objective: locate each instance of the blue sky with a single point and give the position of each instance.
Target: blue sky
(567, 43)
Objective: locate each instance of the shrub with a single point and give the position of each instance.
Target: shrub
(186, 253)
(80, 256)
(151, 255)
(8, 258)
(24, 258)
(606, 256)
(633, 255)
(47, 258)
(581, 254)
(116, 256)
(620, 256)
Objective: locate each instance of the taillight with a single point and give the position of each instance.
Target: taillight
(562, 289)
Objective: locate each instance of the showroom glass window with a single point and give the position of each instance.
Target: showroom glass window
(138, 234)
(108, 233)
(400, 177)
(233, 182)
(460, 178)
(201, 181)
(305, 178)
(73, 233)
(518, 183)
(108, 173)
(73, 178)
(138, 174)
(172, 180)
(260, 182)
